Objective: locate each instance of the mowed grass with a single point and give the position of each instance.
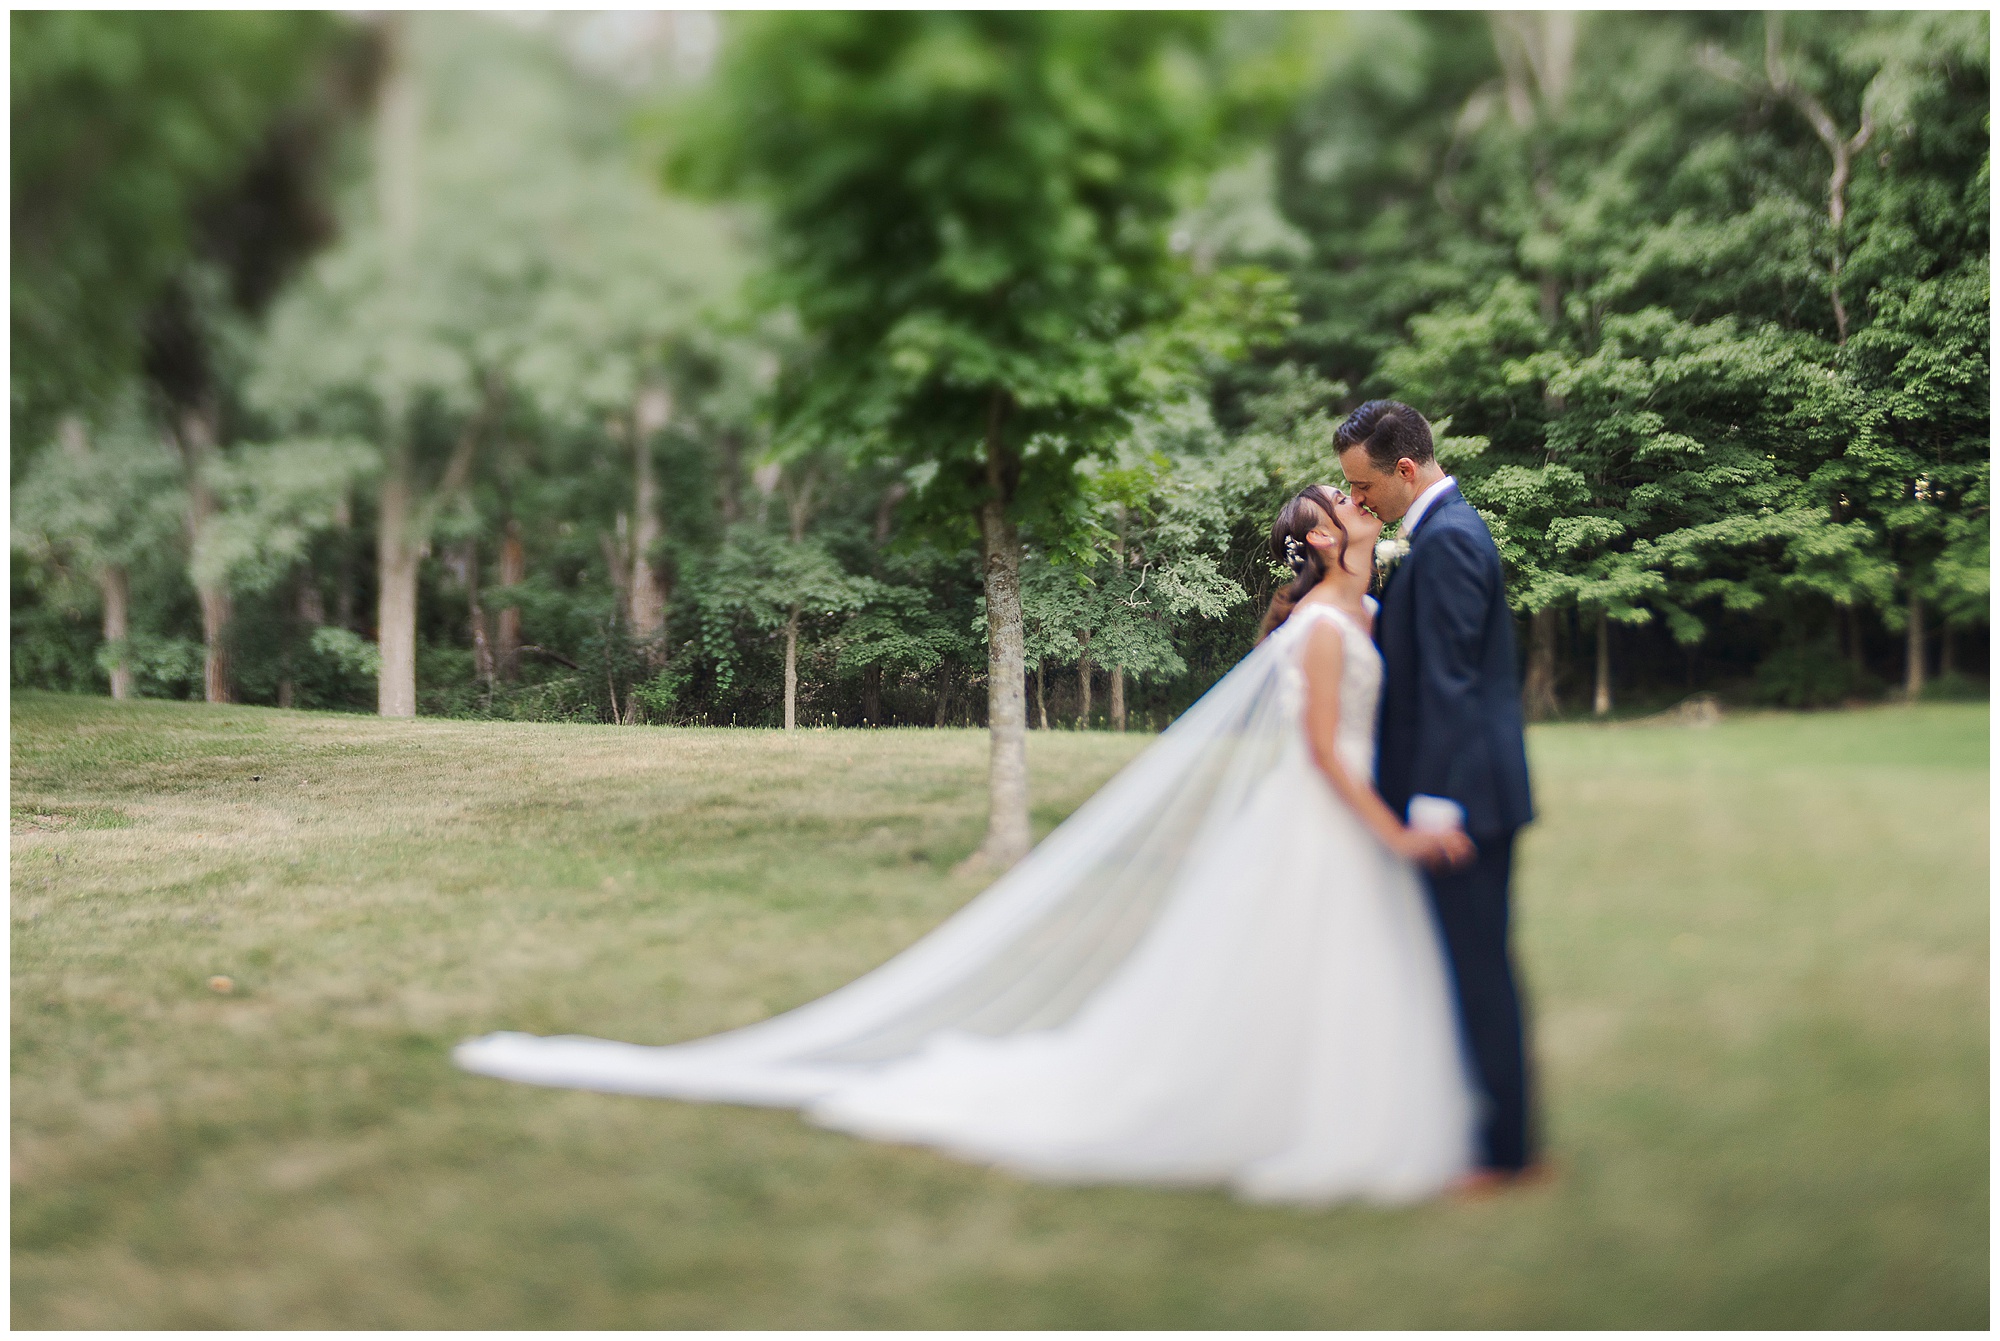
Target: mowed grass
(1757, 953)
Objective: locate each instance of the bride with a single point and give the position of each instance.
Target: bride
(1220, 970)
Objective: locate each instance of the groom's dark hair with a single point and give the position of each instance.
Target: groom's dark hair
(1388, 431)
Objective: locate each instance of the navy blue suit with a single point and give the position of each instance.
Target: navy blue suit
(1451, 727)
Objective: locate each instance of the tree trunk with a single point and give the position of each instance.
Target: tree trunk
(343, 573)
(885, 512)
(116, 587)
(1118, 671)
(617, 560)
(1537, 54)
(1006, 706)
(649, 609)
(197, 439)
(792, 669)
(871, 695)
(513, 570)
(396, 555)
(215, 609)
(399, 114)
(1007, 832)
(730, 486)
(1601, 702)
(398, 142)
(1841, 149)
(482, 649)
(309, 607)
(1538, 694)
(1913, 670)
(1083, 688)
(943, 698)
(1041, 696)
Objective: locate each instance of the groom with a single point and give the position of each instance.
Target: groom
(1451, 748)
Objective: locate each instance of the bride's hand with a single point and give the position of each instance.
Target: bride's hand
(1438, 849)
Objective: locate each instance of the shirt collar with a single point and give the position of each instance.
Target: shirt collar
(1425, 502)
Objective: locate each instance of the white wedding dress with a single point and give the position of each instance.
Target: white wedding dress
(1212, 973)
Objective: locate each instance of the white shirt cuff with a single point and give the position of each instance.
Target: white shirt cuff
(1436, 812)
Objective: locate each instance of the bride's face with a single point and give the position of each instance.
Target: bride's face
(1364, 528)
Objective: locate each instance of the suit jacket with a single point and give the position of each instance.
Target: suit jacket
(1451, 701)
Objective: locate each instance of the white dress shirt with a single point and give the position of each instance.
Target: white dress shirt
(1431, 812)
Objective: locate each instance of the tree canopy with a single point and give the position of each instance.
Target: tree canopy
(124, 126)
(947, 368)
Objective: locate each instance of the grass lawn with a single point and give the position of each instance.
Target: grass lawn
(1757, 953)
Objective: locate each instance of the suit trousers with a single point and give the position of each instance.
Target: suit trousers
(1472, 915)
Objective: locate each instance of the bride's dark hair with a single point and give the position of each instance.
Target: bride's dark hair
(1308, 509)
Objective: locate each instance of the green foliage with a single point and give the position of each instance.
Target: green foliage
(162, 666)
(1148, 564)
(122, 123)
(660, 696)
(970, 214)
(54, 645)
(366, 336)
(901, 630)
(1954, 687)
(274, 499)
(111, 494)
(1145, 261)
(1811, 675)
(757, 582)
(349, 654)
(1617, 277)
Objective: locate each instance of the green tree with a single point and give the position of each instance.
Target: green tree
(103, 504)
(503, 261)
(1917, 472)
(1150, 561)
(1652, 302)
(971, 216)
(624, 321)
(124, 124)
(767, 584)
(163, 169)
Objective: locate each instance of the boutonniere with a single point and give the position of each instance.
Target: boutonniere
(1389, 553)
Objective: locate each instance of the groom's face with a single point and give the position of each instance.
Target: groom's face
(1386, 493)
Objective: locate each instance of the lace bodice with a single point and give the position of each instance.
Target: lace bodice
(1360, 684)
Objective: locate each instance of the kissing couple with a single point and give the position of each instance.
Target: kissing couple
(1270, 954)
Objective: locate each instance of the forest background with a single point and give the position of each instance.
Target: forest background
(659, 368)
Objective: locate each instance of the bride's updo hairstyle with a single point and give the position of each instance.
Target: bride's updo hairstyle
(1310, 508)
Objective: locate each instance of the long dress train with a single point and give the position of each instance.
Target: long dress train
(1212, 973)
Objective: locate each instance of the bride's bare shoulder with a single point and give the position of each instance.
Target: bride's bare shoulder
(1321, 645)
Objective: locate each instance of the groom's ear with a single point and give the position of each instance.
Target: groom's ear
(1406, 469)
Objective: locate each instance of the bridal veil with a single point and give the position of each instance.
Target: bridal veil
(1022, 956)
